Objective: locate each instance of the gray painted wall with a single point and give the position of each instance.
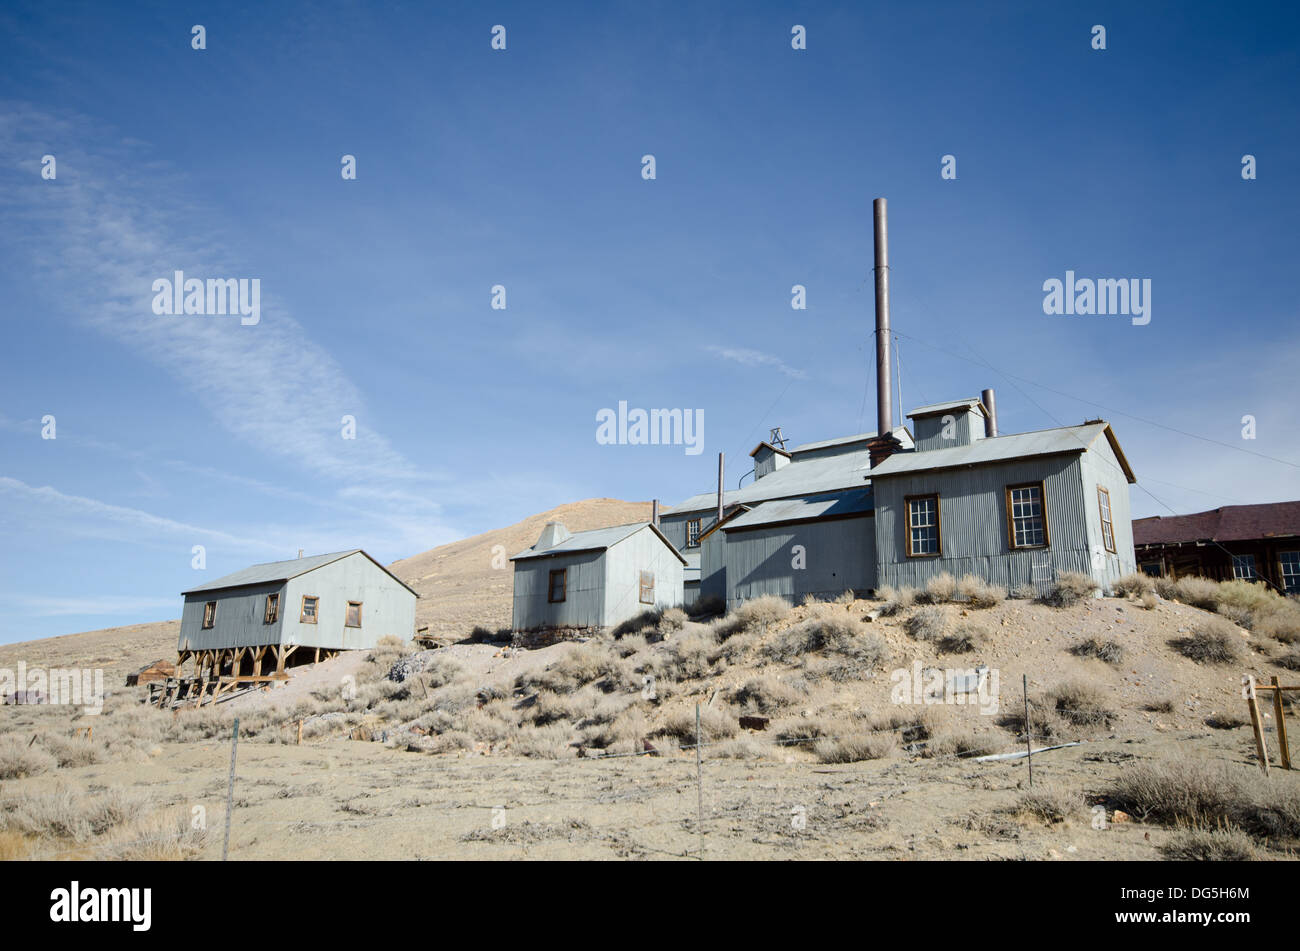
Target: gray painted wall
(584, 602)
(386, 608)
(839, 554)
(603, 587)
(968, 426)
(973, 517)
(238, 623)
(1101, 467)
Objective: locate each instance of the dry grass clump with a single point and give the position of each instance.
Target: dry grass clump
(18, 759)
(1045, 723)
(1201, 795)
(1212, 641)
(1149, 600)
(1160, 705)
(1282, 624)
(939, 589)
(839, 634)
(926, 624)
(1198, 592)
(1135, 583)
(592, 662)
(1070, 588)
(895, 599)
(1225, 721)
(1081, 704)
(966, 639)
(715, 724)
(754, 616)
(742, 747)
(544, 742)
(979, 593)
(688, 656)
(1024, 592)
(1242, 617)
(1224, 844)
(671, 621)
(1051, 803)
(68, 814)
(1109, 651)
(765, 694)
(855, 748)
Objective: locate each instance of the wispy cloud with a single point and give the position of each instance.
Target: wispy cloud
(757, 358)
(78, 514)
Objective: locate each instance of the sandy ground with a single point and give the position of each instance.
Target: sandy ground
(341, 799)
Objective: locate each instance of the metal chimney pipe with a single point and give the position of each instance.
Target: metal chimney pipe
(991, 420)
(654, 513)
(884, 406)
(720, 458)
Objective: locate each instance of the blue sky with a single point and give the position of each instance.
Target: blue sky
(523, 168)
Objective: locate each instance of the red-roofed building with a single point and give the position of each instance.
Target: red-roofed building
(1237, 541)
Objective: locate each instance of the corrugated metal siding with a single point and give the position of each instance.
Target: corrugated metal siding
(1101, 467)
(623, 566)
(674, 527)
(239, 619)
(968, 426)
(839, 554)
(973, 518)
(584, 599)
(713, 571)
(387, 608)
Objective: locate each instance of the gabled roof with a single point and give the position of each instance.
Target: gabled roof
(809, 508)
(596, 539)
(1045, 442)
(846, 470)
(1231, 523)
(273, 571)
(726, 517)
(935, 409)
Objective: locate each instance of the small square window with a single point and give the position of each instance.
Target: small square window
(209, 614)
(647, 587)
(354, 614)
(555, 589)
(272, 609)
(310, 606)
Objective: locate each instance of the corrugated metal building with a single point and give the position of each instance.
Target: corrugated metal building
(325, 603)
(597, 578)
(1012, 509)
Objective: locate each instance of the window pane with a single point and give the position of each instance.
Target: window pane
(923, 525)
(1027, 516)
(1243, 567)
(1290, 571)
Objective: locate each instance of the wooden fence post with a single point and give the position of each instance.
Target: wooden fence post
(1280, 715)
(1255, 722)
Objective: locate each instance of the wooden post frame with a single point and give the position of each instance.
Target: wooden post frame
(1255, 722)
(1280, 717)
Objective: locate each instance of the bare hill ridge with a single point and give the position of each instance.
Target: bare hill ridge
(457, 583)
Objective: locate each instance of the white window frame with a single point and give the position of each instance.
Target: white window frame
(1237, 561)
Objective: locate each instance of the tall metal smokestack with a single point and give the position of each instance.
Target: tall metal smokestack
(654, 513)
(885, 444)
(884, 406)
(991, 420)
(720, 458)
